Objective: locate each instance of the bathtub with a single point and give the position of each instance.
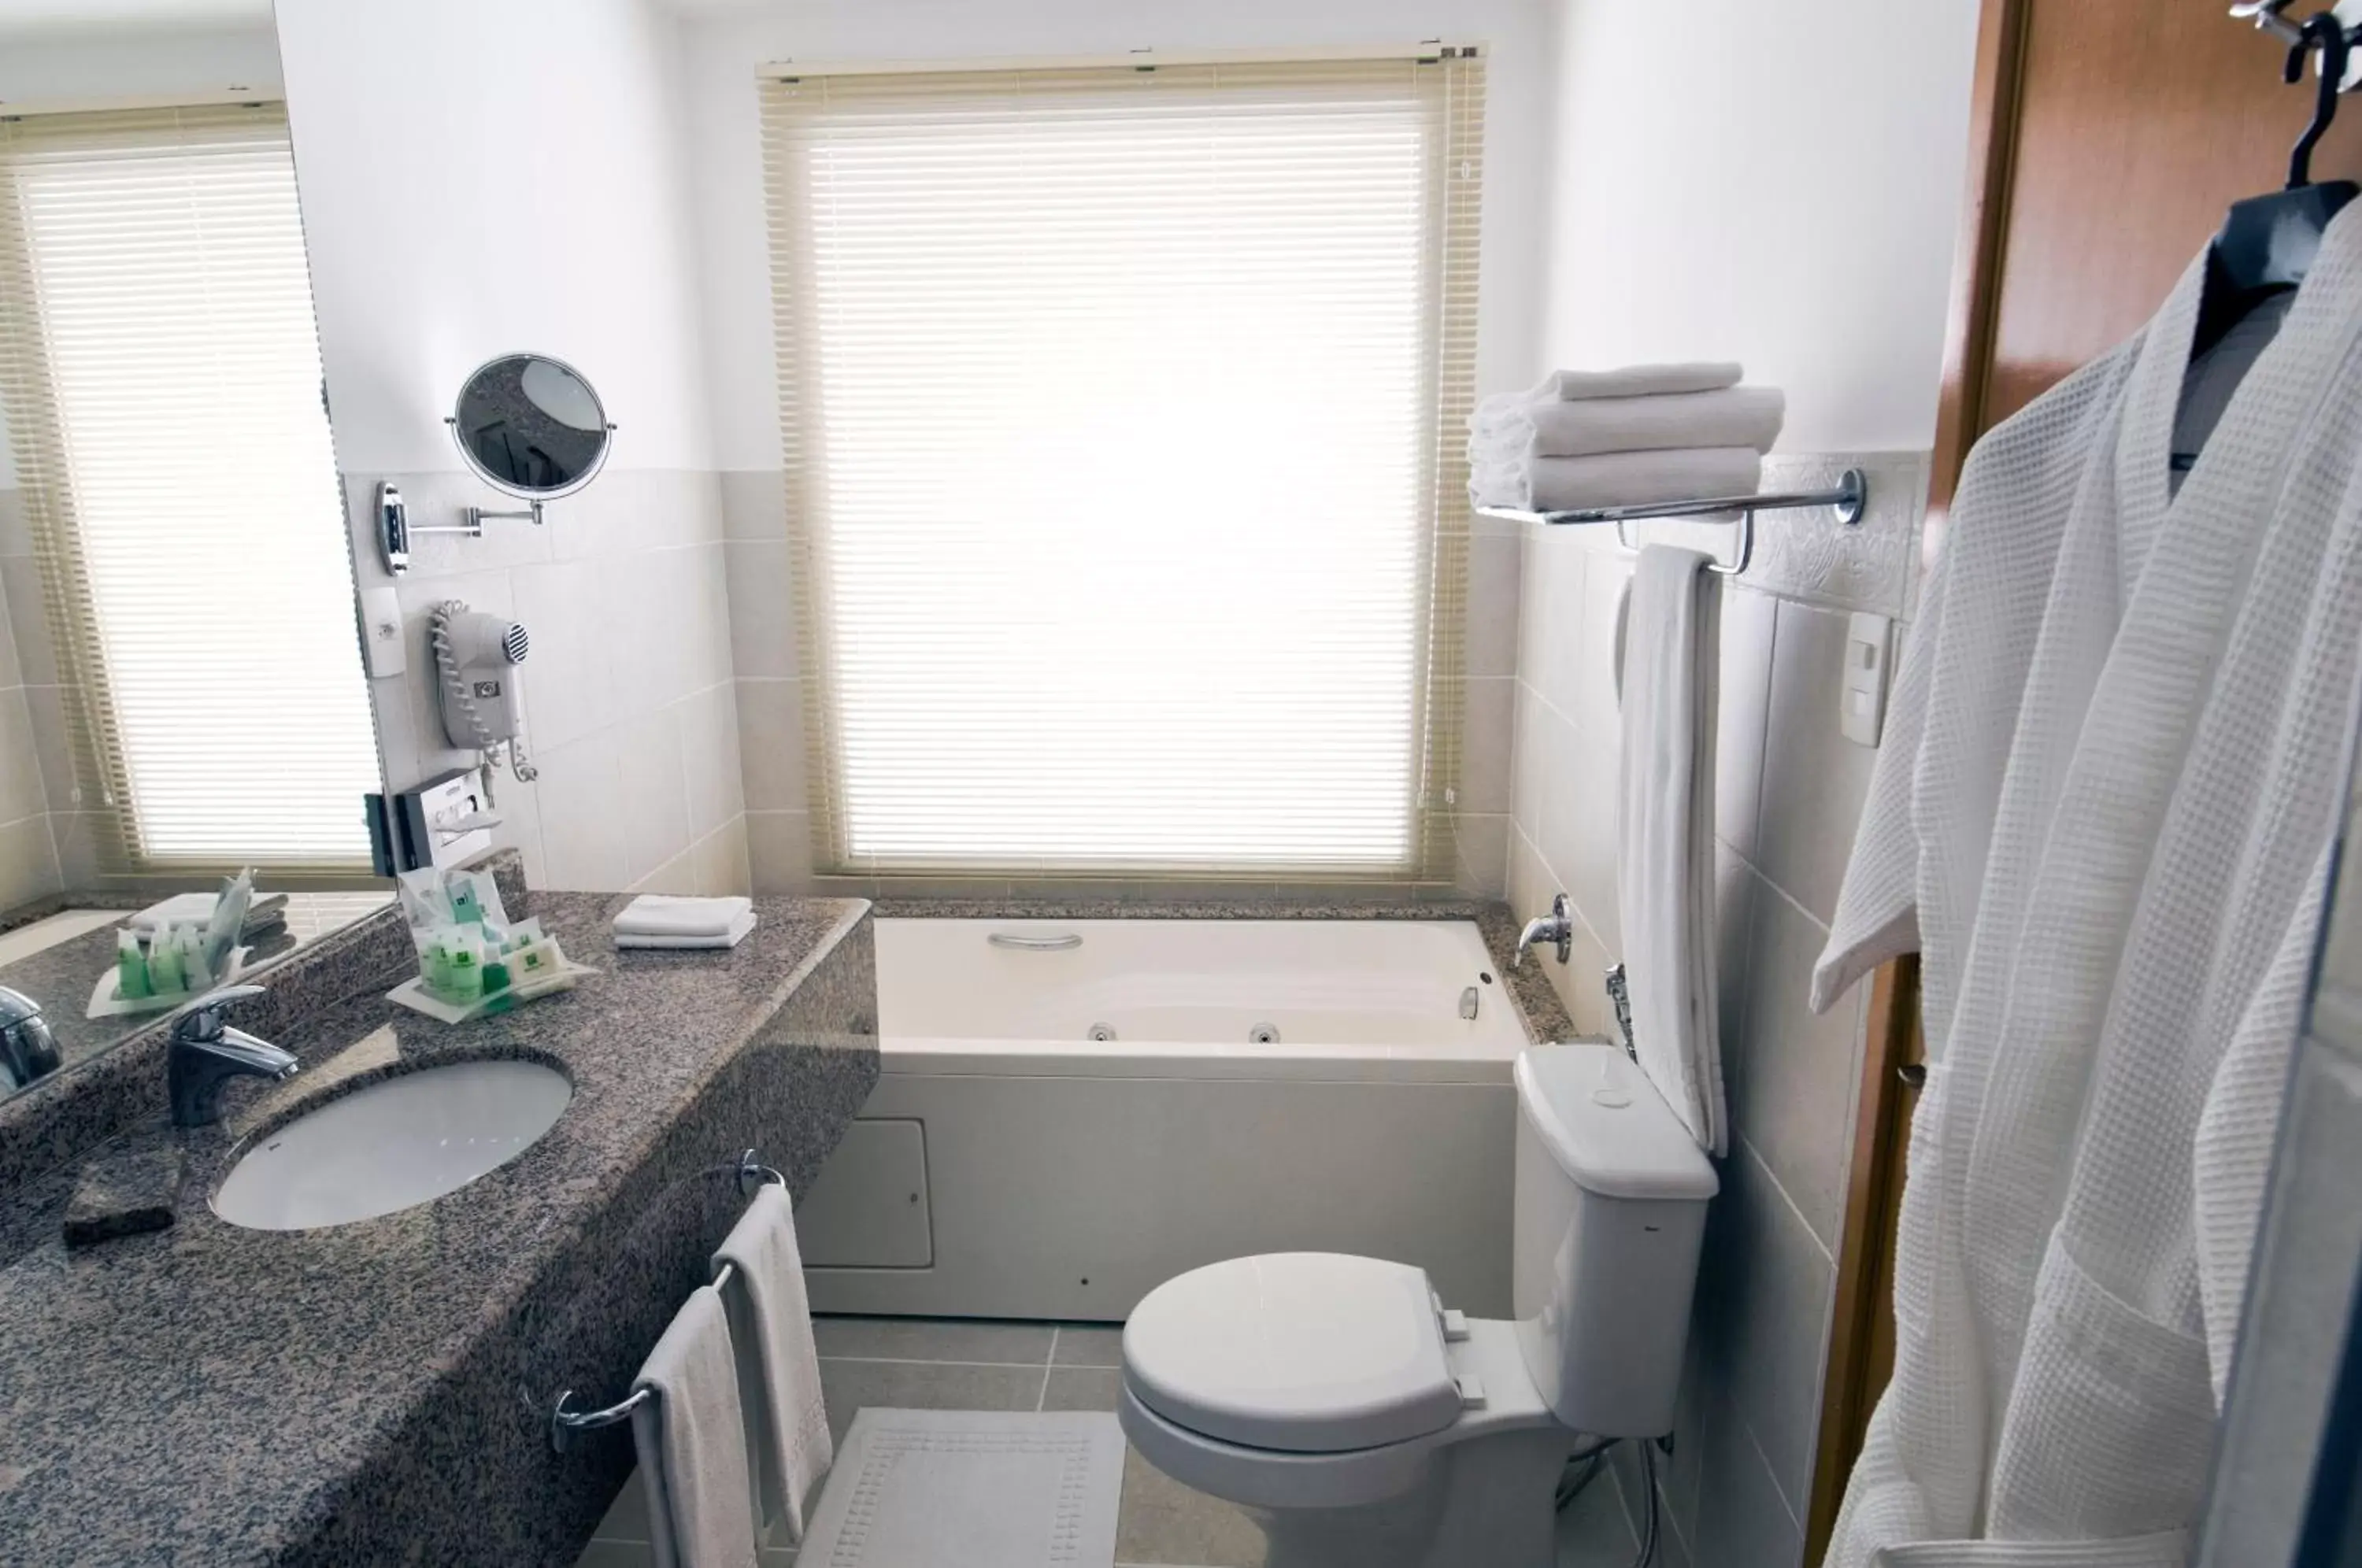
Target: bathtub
(1073, 1111)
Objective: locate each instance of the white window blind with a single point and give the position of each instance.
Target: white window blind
(1115, 406)
(161, 375)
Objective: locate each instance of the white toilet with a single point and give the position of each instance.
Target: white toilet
(1362, 1424)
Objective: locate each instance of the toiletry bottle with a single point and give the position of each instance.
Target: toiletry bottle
(465, 957)
(165, 973)
(130, 967)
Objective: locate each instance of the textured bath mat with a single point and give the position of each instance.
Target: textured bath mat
(970, 1489)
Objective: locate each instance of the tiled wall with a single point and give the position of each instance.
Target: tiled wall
(28, 856)
(770, 696)
(630, 710)
(1788, 789)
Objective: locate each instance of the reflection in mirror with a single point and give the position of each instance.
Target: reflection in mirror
(180, 691)
(531, 426)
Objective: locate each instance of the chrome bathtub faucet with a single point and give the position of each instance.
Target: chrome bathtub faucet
(207, 1054)
(1556, 928)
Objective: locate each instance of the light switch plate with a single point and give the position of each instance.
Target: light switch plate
(1861, 690)
(381, 632)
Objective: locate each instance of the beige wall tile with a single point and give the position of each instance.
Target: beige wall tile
(1481, 854)
(1487, 747)
(708, 758)
(720, 859)
(779, 851)
(1493, 603)
(652, 803)
(1814, 778)
(29, 861)
(1743, 696)
(21, 794)
(771, 743)
(1791, 1074)
(762, 611)
(581, 792)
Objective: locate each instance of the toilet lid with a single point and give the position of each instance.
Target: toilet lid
(1306, 1353)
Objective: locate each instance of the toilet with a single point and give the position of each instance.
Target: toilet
(1362, 1423)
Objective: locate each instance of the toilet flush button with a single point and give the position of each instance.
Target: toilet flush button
(1612, 1098)
(1472, 1392)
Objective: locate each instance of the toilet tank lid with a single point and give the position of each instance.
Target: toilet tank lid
(1607, 1127)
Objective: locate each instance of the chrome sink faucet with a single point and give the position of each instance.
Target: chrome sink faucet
(28, 1049)
(207, 1054)
(1557, 928)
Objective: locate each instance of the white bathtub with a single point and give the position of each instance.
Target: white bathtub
(1009, 1164)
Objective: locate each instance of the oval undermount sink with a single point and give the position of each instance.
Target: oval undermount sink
(398, 1142)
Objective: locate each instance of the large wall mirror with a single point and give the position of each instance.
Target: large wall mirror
(181, 685)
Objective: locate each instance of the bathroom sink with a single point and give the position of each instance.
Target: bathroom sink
(398, 1142)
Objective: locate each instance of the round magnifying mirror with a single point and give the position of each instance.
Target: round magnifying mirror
(531, 426)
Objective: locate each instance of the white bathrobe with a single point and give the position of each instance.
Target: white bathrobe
(2114, 764)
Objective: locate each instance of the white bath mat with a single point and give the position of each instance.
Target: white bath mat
(970, 1489)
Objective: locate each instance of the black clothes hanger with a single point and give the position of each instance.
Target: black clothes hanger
(2268, 243)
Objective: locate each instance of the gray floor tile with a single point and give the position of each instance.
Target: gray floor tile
(1082, 1388)
(851, 1386)
(1165, 1523)
(1089, 1344)
(934, 1339)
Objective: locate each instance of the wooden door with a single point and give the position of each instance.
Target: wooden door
(2106, 138)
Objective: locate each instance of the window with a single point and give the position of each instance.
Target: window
(1117, 405)
(160, 372)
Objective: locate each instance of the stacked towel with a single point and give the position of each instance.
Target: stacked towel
(1650, 433)
(656, 920)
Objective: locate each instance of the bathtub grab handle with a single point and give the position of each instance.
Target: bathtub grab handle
(1064, 942)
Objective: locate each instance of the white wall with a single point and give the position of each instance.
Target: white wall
(479, 178)
(1777, 184)
(722, 54)
(484, 178)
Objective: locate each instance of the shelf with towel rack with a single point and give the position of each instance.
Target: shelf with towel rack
(1849, 501)
(753, 1176)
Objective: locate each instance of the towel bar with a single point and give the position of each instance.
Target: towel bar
(1849, 499)
(752, 1175)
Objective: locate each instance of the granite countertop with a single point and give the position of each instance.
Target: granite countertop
(380, 1391)
(1539, 1005)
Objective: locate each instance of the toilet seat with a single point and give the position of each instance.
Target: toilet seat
(1293, 1352)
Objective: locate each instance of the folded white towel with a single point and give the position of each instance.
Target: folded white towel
(1664, 863)
(778, 1365)
(691, 1440)
(730, 935)
(663, 915)
(1733, 417)
(1617, 479)
(1639, 381)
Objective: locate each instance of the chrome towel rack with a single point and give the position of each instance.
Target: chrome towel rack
(753, 1177)
(1849, 501)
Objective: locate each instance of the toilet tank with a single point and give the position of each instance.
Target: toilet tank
(1610, 1211)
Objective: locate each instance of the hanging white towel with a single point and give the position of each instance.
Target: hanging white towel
(1616, 479)
(1732, 417)
(778, 1365)
(662, 914)
(1664, 869)
(692, 1443)
(2111, 771)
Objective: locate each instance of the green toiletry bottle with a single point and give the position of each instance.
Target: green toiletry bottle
(164, 972)
(130, 967)
(466, 969)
